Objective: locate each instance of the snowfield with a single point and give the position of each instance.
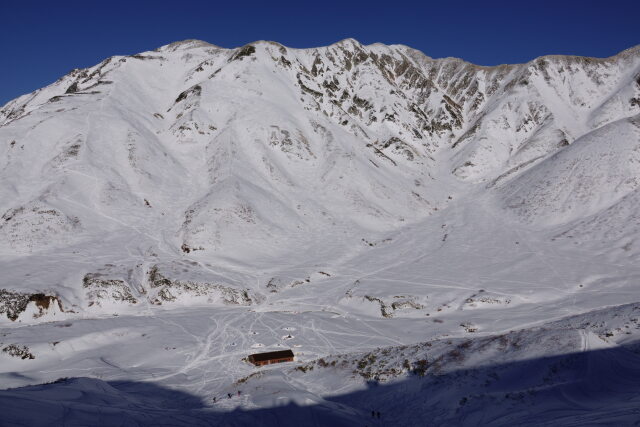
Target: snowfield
(438, 242)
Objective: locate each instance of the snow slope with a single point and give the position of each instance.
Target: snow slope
(168, 213)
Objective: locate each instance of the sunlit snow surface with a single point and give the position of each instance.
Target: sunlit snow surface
(438, 242)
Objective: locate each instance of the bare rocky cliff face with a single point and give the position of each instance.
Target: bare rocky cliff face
(267, 156)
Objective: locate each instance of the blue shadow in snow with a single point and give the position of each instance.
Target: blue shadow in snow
(592, 387)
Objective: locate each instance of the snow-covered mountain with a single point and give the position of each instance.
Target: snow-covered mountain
(362, 196)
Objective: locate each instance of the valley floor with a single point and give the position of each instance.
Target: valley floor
(463, 319)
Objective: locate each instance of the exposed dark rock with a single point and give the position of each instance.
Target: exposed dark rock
(15, 350)
(195, 90)
(73, 88)
(102, 289)
(12, 304)
(247, 50)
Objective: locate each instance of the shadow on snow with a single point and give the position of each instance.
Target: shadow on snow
(593, 387)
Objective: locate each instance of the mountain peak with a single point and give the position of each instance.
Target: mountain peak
(348, 42)
(185, 45)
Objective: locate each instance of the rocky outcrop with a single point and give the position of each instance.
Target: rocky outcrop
(101, 289)
(13, 304)
(164, 290)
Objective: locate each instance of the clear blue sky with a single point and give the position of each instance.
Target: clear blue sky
(43, 40)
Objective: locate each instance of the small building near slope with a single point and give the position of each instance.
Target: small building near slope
(260, 359)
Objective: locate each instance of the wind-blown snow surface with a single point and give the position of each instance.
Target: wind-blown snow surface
(168, 213)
